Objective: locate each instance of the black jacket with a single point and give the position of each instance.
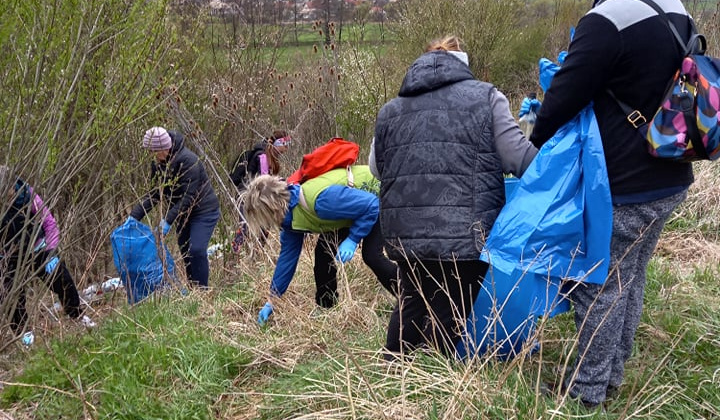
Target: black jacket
(246, 165)
(183, 182)
(626, 47)
(441, 181)
(16, 224)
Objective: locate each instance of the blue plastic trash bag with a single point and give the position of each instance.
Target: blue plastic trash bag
(511, 184)
(137, 260)
(555, 227)
(547, 71)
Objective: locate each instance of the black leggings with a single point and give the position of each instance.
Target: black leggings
(436, 298)
(60, 282)
(325, 270)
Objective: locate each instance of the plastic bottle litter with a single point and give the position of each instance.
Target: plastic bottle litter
(111, 284)
(28, 339)
(90, 291)
(215, 251)
(527, 121)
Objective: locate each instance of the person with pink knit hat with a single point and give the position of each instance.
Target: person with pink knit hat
(193, 206)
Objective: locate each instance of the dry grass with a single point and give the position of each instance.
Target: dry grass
(690, 240)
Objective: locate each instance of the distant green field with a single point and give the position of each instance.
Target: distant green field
(372, 33)
(303, 33)
(295, 41)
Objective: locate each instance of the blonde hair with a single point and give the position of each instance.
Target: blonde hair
(265, 201)
(447, 43)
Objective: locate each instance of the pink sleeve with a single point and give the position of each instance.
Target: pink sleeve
(49, 225)
(264, 168)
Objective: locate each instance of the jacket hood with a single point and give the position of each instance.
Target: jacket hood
(432, 71)
(178, 142)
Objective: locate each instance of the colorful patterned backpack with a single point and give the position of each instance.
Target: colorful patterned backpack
(686, 127)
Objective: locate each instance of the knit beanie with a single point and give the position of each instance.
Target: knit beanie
(157, 138)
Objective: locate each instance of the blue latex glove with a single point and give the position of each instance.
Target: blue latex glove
(265, 313)
(164, 226)
(561, 57)
(528, 105)
(346, 250)
(52, 264)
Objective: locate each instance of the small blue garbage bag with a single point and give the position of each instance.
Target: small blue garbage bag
(137, 260)
(555, 227)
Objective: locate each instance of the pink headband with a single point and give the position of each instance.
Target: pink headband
(282, 141)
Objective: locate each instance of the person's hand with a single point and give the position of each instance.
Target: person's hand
(562, 56)
(528, 105)
(265, 313)
(346, 250)
(52, 264)
(165, 227)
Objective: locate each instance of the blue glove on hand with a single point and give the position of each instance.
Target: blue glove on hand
(265, 313)
(346, 250)
(561, 57)
(52, 264)
(528, 105)
(165, 227)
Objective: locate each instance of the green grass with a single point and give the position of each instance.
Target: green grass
(154, 361)
(203, 357)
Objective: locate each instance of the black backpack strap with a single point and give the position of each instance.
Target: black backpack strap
(684, 48)
(697, 44)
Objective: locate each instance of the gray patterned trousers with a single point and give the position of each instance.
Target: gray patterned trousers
(607, 315)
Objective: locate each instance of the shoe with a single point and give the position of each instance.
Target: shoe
(551, 390)
(590, 406)
(28, 339)
(319, 312)
(86, 322)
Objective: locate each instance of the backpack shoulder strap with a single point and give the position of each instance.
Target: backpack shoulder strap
(350, 177)
(684, 48)
(697, 44)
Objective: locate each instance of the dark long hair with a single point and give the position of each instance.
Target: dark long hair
(272, 153)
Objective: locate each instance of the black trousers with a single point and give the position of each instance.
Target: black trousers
(436, 298)
(60, 282)
(325, 270)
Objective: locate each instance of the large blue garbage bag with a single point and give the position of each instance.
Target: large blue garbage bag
(555, 227)
(138, 262)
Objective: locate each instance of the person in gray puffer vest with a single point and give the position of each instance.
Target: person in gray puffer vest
(440, 150)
